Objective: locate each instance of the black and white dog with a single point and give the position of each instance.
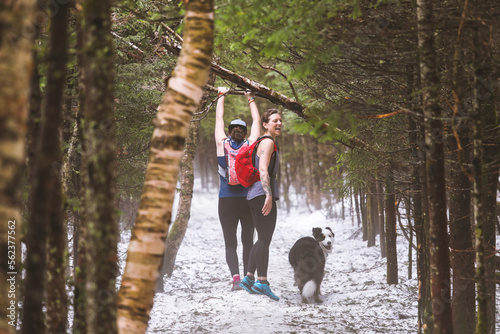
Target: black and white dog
(307, 257)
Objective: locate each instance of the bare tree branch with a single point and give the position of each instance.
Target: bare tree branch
(260, 90)
(245, 83)
(284, 76)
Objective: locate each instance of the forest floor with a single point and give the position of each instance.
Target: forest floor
(357, 299)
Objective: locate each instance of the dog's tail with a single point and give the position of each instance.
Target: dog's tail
(309, 289)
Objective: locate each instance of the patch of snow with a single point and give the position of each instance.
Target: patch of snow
(357, 299)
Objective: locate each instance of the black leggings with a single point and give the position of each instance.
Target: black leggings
(265, 225)
(232, 210)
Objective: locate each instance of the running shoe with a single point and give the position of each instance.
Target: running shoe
(264, 289)
(246, 284)
(236, 284)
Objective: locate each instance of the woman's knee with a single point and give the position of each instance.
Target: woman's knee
(265, 241)
(231, 243)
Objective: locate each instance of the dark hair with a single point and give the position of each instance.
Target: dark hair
(238, 133)
(267, 114)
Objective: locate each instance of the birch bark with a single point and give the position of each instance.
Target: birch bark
(183, 94)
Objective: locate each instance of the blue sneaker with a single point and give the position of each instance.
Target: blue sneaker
(247, 283)
(264, 289)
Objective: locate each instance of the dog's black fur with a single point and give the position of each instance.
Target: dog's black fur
(307, 257)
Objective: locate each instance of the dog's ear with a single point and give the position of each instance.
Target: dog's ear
(316, 232)
(329, 229)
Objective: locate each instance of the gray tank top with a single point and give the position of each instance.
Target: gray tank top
(256, 188)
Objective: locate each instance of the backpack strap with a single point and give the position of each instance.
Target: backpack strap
(223, 171)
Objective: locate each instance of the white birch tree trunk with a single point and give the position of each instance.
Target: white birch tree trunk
(181, 98)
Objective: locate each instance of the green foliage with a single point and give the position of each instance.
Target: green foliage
(316, 47)
(140, 72)
(356, 168)
(137, 98)
(295, 38)
(272, 28)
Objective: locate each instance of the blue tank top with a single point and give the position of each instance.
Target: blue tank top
(226, 189)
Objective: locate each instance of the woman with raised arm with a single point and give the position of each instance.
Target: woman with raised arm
(233, 206)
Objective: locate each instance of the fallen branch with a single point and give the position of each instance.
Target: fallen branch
(127, 42)
(198, 116)
(174, 46)
(245, 83)
(263, 91)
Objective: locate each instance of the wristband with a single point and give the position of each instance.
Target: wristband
(250, 100)
(220, 94)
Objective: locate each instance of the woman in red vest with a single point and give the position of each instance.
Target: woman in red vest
(233, 205)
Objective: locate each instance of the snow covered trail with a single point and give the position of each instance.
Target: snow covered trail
(198, 299)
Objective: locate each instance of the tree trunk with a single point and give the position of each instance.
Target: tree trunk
(425, 281)
(490, 160)
(462, 251)
(421, 231)
(477, 206)
(98, 166)
(286, 182)
(35, 114)
(377, 198)
(79, 321)
(16, 66)
(318, 198)
(182, 97)
(315, 168)
(371, 208)
(33, 135)
(381, 219)
(485, 171)
(410, 245)
(356, 203)
(71, 189)
(462, 256)
(80, 226)
(390, 228)
(178, 230)
(363, 199)
(56, 299)
(462, 260)
(419, 222)
(308, 172)
(440, 261)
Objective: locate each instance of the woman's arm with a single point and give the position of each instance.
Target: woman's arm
(255, 131)
(220, 133)
(265, 151)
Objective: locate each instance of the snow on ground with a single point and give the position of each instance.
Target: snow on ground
(198, 299)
